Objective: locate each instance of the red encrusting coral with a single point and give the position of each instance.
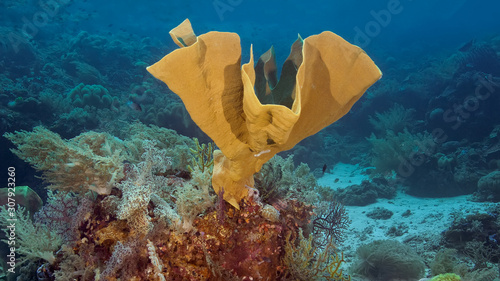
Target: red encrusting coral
(245, 246)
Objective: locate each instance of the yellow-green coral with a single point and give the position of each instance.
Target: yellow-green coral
(446, 277)
(202, 159)
(306, 262)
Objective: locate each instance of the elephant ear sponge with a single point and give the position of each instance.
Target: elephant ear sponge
(220, 95)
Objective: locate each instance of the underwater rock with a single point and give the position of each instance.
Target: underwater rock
(366, 193)
(489, 188)
(380, 214)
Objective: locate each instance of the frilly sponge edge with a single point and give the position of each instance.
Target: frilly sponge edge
(321, 80)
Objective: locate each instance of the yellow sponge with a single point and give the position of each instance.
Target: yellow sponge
(321, 80)
(446, 277)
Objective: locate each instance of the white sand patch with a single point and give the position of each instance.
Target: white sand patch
(343, 175)
(428, 218)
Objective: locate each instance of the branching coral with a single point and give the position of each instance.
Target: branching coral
(89, 161)
(306, 262)
(396, 119)
(73, 267)
(58, 214)
(138, 187)
(156, 262)
(391, 152)
(202, 157)
(480, 253)
(445, 261)
(32, 240)
(121, 254)
(94, 160)
(329, 225)
(193, 200)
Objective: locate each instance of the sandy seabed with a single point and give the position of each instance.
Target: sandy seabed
(421, 229)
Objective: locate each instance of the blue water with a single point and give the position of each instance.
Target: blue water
(440, 62)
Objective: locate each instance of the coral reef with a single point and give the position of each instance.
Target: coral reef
(244, 245)
(158, 220)
(92, 161)
(475, 235)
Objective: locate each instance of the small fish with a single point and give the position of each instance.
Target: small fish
(135, 106)
(467, 46)
(336, 180)
(324, 169)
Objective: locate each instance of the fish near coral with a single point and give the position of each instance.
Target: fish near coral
(321, 80)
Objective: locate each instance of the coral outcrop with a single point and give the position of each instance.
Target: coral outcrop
(489, 187)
